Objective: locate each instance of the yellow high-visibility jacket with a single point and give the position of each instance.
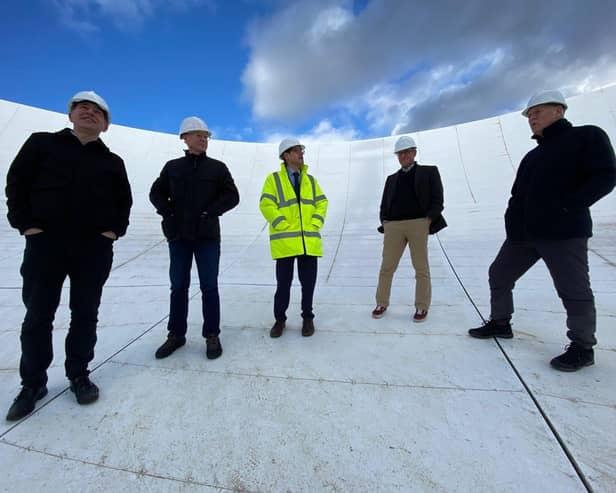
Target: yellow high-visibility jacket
(293, 228)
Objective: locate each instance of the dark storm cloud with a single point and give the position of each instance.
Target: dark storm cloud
(406, 66)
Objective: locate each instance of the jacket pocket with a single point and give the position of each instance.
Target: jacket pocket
(209, 227)
(170, 227)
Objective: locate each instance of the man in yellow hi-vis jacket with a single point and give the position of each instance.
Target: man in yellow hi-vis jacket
(294, 205)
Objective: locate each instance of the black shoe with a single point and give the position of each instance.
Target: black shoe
(307, 327)
(574, 358)
(492, 328)
(276, 330)
(213, 347)
(25, 402)
(169, 346)
(85, 391)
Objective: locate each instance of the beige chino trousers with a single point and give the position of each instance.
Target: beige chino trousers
(398, 234)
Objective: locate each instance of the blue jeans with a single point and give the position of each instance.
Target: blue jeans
(207, 256)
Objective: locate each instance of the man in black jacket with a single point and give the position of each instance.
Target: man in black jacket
(410, 210)
(548, 218)
(190, 194)
(70, 197)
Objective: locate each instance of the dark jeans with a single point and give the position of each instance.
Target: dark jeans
(567, 261)
(207, 257)
(48, 260)
(307, 273)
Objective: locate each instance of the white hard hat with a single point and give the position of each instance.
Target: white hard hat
(193, 124)
(404, 142)
(286, 144)
(545, 97)
(93, 98)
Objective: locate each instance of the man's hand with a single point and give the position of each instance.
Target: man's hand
(110, 234)
(32, 231)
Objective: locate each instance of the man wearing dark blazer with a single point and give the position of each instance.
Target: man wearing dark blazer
(410, 211)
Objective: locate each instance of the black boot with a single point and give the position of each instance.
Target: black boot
(574, 358)
(85, 391)
(493, 328)
(25, 402)
(169, 346)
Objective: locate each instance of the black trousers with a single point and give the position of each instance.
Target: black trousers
(567, 261)
(48, 260)
(307, 273)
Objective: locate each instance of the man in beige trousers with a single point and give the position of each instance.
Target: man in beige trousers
(410, 211)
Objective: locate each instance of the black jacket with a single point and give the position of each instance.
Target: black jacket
(60, 185)
(429, 192)
(556, 183)
(190, 193)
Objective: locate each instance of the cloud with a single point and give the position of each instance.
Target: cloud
(406, 66)
(85, 16)
(322, 132)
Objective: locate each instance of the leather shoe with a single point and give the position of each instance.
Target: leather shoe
(379, 311)
(307, 327)
(213, 347)
(25, 402)
(172, 343)
(85, 391)
(420, 316)
(276, 330)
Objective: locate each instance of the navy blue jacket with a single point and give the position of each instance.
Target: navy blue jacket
(556, 183)
(190, 193)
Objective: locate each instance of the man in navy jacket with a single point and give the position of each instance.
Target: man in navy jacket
(70, 198)
(548, 218)
(190, 194)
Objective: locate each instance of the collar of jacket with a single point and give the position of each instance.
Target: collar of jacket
(67, 133)
(201, 155)
(409, 168)
(303, 170)
(551, 131)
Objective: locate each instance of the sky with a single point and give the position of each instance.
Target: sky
(315, 69)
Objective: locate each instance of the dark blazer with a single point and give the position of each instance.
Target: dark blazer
(429, 192)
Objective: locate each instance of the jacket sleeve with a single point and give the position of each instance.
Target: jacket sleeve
(160, 195)
(382, 208)
(268, 205)
(228, 195)
(19, 182)
(124, 201)
(598, 171)
(436, 195)
(320, 205)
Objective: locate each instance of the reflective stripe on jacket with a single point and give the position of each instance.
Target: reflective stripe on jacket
(294, 229)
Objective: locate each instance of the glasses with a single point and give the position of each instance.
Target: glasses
(298, 149)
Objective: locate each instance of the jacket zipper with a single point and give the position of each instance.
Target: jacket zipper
(299, 205)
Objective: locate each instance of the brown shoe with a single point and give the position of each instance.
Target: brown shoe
(307, 327)
(277, 329)
(213, 347)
